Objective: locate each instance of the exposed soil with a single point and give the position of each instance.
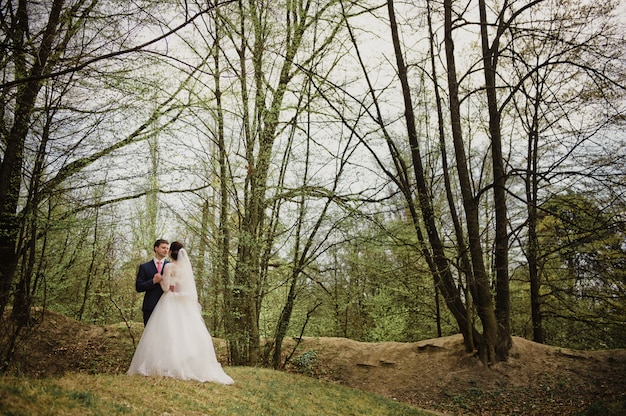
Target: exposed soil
(437, 374)
(433, 374)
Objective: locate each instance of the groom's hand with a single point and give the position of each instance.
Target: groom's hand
(157, 278)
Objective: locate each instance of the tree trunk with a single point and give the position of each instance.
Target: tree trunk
(224, 211)
(466, 265)
(532, 251)
(283, 321)
(483, 301)
(501, 262)
(443, 275)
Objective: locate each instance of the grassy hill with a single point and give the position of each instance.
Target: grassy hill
(67, 367)
(255, 392)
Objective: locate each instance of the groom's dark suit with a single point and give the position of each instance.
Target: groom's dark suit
(144, 284)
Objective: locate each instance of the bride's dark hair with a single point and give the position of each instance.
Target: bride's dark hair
(175, 248)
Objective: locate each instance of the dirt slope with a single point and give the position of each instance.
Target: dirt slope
(437, 374)
(433, 374)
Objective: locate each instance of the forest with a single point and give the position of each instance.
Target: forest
(374, 170)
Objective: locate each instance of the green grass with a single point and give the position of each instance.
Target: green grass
(255, 392)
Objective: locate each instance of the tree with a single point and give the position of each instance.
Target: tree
(581, 259)
(444, 279)
(14, 141)
(263, 102)
(550, 76)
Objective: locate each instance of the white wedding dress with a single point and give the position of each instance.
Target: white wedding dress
(175, 342)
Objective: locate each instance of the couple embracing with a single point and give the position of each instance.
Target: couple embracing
(175, 342)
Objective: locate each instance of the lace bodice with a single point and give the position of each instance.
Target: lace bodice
(178, 280)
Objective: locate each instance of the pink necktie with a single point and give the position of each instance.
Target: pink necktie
(159, 266)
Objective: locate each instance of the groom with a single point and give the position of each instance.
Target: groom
(149, 278)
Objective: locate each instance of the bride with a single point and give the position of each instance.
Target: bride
(176, 342)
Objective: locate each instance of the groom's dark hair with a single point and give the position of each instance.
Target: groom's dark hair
(159, 242)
